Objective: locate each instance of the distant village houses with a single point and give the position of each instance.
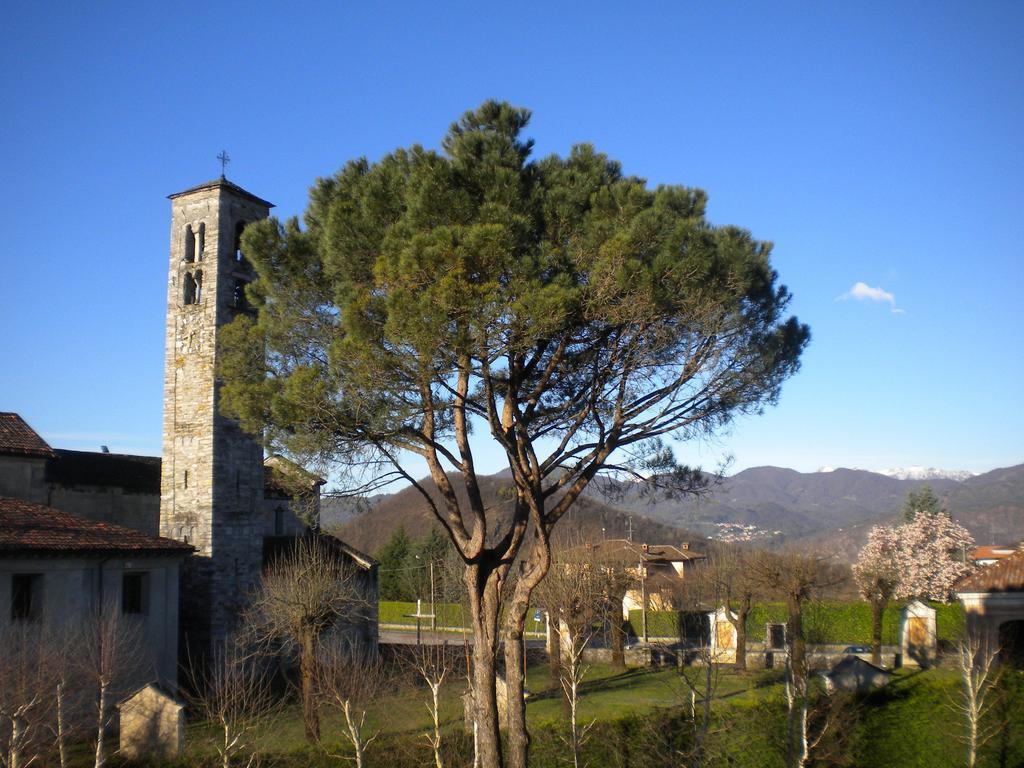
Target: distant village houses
(656, 570)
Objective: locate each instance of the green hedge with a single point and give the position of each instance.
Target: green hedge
(824, 622)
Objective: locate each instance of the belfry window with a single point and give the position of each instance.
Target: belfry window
(239, 228)
(238, 300)
(189, 292)
(201, 241)
(190, 244)
(199, 286)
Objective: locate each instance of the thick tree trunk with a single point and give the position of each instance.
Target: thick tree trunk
(61, 727)
(555, 652)
(531, 574)
(618, 632)
(483, 608)
(307, 680)
(17, 737)
(518, 737)
(797, 720)
(742, 611)
(877, 611)
(795, 639)
(101, 726)
(555, 664)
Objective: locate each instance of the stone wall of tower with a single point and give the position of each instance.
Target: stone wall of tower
(212, 473)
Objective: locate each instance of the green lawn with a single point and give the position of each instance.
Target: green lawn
(640, 718)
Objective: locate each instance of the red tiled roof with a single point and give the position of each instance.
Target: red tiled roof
(631, 551)
(992, 552)
(32, 529)
(1005, 576)
(18, 438)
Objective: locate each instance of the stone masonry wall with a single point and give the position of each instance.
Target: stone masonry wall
(212, 473)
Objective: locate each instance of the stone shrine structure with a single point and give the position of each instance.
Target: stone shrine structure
(918, 638)
(723, 636)
(152, 722)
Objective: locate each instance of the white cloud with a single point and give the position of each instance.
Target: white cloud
(863, 292)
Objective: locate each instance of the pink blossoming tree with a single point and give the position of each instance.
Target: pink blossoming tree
(878, 577)
(922, 558)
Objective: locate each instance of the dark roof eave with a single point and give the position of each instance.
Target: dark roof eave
(26, 553)
(222, 182)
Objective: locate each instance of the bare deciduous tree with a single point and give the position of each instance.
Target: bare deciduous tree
(66, 688)
(350, 679)
(112, 655)
(573, 672)
(703, 591)
(24, 685)
(976, 656)
(231, 689)
(434, 664)
(797, 579)
(303, 594)
(737, 584)
(576, 591)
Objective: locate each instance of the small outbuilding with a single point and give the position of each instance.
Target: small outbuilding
(918, 638)
(993, 600)
(152, 724)
(723, 635)
(856, 675)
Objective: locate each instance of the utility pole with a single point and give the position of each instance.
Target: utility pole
(433, 611)
(643, 600)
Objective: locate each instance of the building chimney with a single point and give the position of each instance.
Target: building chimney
(684, 546)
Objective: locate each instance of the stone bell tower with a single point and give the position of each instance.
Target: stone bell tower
(211, 481)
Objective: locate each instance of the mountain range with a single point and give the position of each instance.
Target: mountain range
(767, 506)
(369, 526)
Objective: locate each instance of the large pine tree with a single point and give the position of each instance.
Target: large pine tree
(558, 309)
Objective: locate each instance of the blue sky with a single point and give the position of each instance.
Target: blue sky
(873, 143)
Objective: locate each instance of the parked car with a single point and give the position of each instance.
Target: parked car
(856, 649)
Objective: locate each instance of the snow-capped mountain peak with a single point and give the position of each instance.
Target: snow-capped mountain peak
(927, 473)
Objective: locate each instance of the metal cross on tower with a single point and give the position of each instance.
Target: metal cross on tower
(224, 158)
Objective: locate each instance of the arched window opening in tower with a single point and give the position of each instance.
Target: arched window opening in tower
(238, 300)
(201, 240)
(188, 295)
(199, 286)
(239, 256)
(190, 244)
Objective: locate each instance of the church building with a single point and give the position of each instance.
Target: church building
(210, 511)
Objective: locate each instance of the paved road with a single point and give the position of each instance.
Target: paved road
(408, 637)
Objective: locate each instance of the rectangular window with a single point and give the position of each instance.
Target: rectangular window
(133, 593)
(26, 596)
